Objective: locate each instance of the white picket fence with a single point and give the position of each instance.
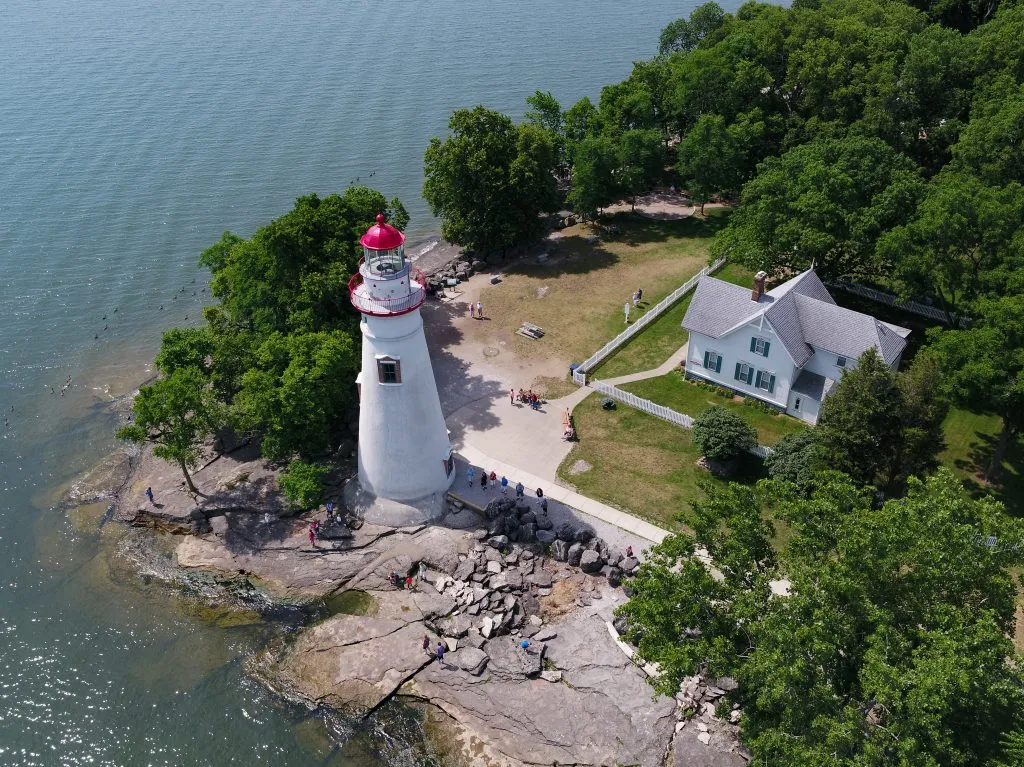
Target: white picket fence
(579, 376)
(665, 413)
(889, 299)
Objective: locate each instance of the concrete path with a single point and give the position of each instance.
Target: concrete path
(554, 493)
(665, 368)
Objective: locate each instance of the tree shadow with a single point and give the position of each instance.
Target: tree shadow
(1010, 490)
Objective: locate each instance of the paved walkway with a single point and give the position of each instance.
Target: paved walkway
(665, 368)
(554, 493)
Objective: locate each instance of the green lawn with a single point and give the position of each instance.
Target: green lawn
(639, 463)
(970, 438)
(674, 391)
(663, 336)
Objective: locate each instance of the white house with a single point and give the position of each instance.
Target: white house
(786, 346)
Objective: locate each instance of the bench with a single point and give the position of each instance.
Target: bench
(530, 330)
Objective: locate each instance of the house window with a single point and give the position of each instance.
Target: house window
(765, 380)
(389, 371)
(841, 362)
(744, 372)
(713, 361)
(760, 346)
(796, 404)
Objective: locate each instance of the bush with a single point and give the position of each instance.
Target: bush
(721, 435)
(303, 484)
(795, 458)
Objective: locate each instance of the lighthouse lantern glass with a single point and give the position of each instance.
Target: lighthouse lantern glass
(385, 263)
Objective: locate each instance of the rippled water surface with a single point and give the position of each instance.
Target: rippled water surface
(131, 135)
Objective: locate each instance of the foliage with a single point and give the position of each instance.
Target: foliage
(593, 177)
(722, 435)
(185, 347)
(709, 160)
(687, 34)
(490, 179)
(303, 483)
(892, 644)
(796, 459)
(175, 414)
(824, 203)
(641, 162)
(983, 367)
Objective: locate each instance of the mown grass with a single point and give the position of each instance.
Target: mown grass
(577, 293)
(639, 463)
(664, 336)
(970, 440)
(683, 396)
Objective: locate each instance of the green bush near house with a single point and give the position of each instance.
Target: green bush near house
(722, 435)
(303, 484)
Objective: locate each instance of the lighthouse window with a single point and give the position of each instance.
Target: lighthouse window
(389, 371)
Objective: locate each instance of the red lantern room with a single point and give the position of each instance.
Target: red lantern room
(385, 284)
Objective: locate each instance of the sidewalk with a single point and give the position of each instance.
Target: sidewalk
(553, 492)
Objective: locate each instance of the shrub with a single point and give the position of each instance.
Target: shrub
(303, 484)
(795, 458)
(721, 435)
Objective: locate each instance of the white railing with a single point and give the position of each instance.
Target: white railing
(660, 411)
(914, 307)
(580, 374)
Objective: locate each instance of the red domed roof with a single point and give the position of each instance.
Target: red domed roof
(382, 236)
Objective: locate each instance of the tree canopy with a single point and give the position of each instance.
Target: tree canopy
(889, 643)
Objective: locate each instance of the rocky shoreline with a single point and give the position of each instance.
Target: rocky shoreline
(495, 577)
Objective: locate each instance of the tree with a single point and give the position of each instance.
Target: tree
(303, 483)
(593, 175)
(296, 396)
(962, 232)
(185, 347)
(546, 112)
(709, 160)
(175, 414)
(641, 162)
(992, 143)
(796, 458)
(859, 423)
(582, 121)
(687, 34)
(490, 180)
(722, 435)
(824, 203)
(983, 368)
(892, 644)
(922, 412)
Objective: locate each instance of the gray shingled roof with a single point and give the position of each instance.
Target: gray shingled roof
(810, 385)
(801, 312)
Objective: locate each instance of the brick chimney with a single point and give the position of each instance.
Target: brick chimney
(758, 290)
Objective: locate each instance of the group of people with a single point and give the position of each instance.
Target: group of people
(527, 397)
(314, 526)
(410, 581)
(492, 481)
(476, 311)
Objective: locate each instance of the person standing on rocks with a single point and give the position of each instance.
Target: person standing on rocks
(426, 644)
(421, 572)
(149, 494)
(312, 538)
(440, 652)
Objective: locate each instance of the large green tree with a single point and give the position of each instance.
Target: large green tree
(175, 414)
(709, 160)
(641, 162)
(490, 180)
(888, 642)
(687, 34)
(594, 185)
(826, 203)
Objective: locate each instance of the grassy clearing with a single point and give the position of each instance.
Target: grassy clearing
(664, 336)
(640, 463)
(577, 294)
(674, 391)
(970, 438)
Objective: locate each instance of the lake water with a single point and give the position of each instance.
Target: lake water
(131, 135)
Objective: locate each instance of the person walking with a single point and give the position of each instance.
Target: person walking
(470, 474)
(421, 572)
(540, 493)
(512, 396)
(639, 295)
(520, 490)
(483, 480)
(330, 509)
(426, 644)
(479, 310)
(312, 538)
(472, 310)
(149, 494)
(408, 583)
(440, 652)
(493, 480)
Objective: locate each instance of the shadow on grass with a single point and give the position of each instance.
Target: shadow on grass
(1010, 489)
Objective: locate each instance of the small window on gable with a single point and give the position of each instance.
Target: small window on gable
(760, 346)
(841, 362)
(389, 371)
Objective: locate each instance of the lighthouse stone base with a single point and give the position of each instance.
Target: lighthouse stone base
(391, 513)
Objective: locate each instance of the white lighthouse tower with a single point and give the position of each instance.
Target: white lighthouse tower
(405, 459)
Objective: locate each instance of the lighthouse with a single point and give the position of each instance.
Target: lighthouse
(405, 458)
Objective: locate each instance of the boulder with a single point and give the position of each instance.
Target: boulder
(464, 570)
(509, 661)
(590, 562)
(498, 541)
(545, 634)
(614, 577)
(583, 535)
(500, 507)
(545, 536)
(493, 566)
(551, 676)
(574, 554)
(566, 532)
(486, 626)
(469, 659)
(474, 639)
(527, 517)
(455, 626)
(629, 564)
(541, 579)
(559, 550)
(544, 523)
(527, 533)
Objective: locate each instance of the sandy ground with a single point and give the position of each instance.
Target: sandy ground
(663, 206)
